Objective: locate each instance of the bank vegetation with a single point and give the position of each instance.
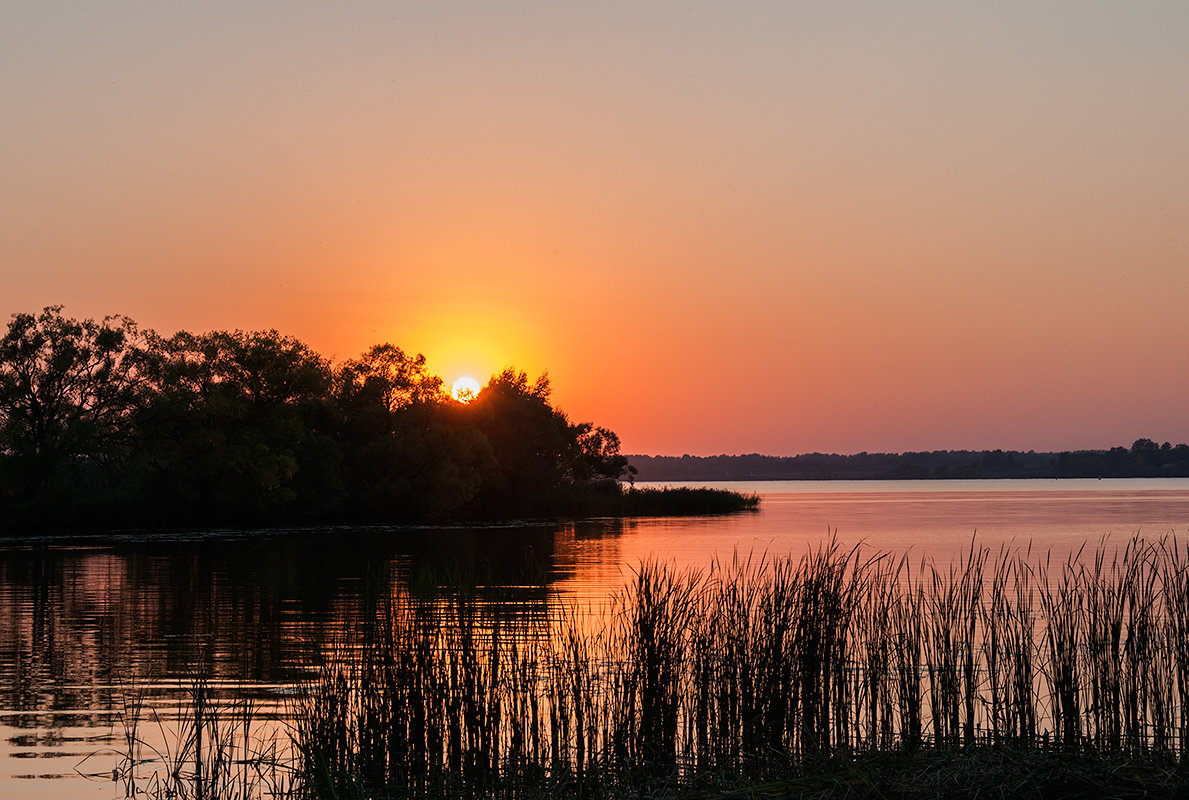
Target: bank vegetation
(839, 673)
(104, 424)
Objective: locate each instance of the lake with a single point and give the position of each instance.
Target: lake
(86, 623)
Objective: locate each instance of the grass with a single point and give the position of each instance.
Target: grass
(613, 499)
(836, 674)
(982, 772)
(685, 500)
(218, 748)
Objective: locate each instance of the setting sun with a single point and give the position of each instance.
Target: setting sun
(465, 389)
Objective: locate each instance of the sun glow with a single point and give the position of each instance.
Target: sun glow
(465, 389)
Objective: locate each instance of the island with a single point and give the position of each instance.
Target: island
(106, 425)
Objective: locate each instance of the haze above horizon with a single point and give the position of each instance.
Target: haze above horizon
(722, 228)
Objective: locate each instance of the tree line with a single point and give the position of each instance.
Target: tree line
(103, 424)
(1143, 459)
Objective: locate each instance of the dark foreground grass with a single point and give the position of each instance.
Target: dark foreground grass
(976, 774)
(836, 674)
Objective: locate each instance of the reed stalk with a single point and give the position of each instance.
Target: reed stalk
(755, 669)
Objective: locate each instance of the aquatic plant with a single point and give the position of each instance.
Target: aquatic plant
(757, 669)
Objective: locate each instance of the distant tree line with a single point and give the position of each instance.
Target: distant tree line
(1144, 459)
(106, 424)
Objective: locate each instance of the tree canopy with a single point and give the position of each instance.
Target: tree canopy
(102, 423)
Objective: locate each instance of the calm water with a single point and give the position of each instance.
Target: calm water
(85, 623)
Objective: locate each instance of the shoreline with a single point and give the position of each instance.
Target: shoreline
(629, 503)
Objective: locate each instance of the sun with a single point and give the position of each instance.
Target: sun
(465, 389)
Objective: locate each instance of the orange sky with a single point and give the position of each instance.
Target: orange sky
(758, 227)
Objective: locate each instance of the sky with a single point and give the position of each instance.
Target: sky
(753, 227)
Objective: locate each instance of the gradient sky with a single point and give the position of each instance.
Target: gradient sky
(771, 227)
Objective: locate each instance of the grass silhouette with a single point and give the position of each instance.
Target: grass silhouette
(833, 674)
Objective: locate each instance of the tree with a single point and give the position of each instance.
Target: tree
(239, 423)
(595, 455)
(102, 423)
(432, 462)
(400, 460)
(385, 377)
(69, 391)
(539, 453)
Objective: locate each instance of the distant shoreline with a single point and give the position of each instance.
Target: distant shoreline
(1143, 459)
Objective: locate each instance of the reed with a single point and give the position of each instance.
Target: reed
(219, 747)
(682, 500)
(756, 670)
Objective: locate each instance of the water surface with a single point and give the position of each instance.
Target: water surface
(87, 622)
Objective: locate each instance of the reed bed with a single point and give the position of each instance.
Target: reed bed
(223, 745)
(762, 671)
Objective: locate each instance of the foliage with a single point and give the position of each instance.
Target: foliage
(104, 424)
(686, 500)
(838, 673)
(232, 420)
(783, 676)
(538, 452)
(69, 394)
(386, 379)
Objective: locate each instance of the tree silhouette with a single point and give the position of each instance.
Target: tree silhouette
(69, 390)
(103, 424)
(234, 419)
(386, 377)
(539, 453)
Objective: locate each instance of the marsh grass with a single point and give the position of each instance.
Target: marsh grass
(223, 745)
(761, 674)
(683, 500)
